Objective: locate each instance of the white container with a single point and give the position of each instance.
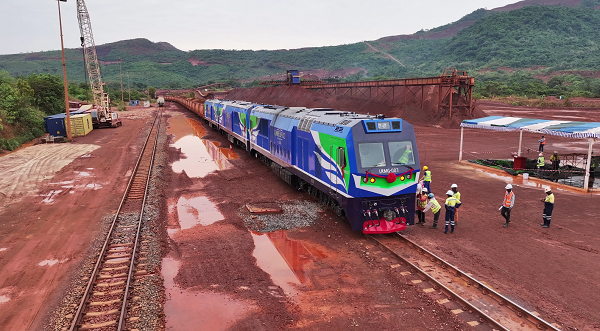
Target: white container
(525, 176)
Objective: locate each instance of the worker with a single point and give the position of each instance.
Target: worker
(454, 189)
(406, 155)
(540, 164)
(426, 178)
(593, 165)
(548, 207)
(421, 203)
(435, 209)
(508, 204)
(555, 159)
(542, 143)
(452, 204)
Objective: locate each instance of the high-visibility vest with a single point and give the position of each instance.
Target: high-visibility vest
(457, 195)
(550, 198)
(543, 142)
(452, 201)
(541, 161)
(508, 199)
(427, 177)
(436, 206)
(404, 158)
(422, 201)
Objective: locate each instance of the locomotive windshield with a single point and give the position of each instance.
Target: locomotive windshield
(371, 155)
(401, 152)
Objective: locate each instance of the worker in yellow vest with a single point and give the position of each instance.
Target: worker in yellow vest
(540, 164)
(435, 209)
(507, 204)
(426, 178)
(454, 189)
(548, 207)
(452, 204)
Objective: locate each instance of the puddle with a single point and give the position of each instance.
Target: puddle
(282, 258)
(4, 298)
(197, 210)
(50, 262)
(3, 249)
(83, 173)
(49, 197)
(200, 156)
(186, 309)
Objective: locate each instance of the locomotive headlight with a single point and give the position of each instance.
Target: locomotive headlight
(372, 180)
(389, 215)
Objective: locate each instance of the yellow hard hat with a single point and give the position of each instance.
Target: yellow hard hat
(425, 168)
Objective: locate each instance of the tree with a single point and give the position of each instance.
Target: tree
(49, 95)
(152, 92)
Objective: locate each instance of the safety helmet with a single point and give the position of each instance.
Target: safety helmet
(547, 189)
(430, 195)
(555, 152)
(449, 192)
(424, 189)
(453, 186)
(508, 186)
(541, 154)
(425, 168)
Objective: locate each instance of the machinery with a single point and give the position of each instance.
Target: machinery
(160, 101)
(102, 116)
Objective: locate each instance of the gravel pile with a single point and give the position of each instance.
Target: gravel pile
(295, 215)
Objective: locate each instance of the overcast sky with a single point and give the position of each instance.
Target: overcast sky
(32, 25)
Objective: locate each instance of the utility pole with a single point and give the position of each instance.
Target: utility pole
(128, 87)
(62, 47)
(121, 75)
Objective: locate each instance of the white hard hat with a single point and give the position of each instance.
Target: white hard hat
(547, 189)
(453, 186)
(449, 193)
(508, 186)
(541, 154)
(424, 189)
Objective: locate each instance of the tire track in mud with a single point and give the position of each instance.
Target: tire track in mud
(23, 169)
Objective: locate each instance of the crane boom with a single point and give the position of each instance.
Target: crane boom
(101, 99)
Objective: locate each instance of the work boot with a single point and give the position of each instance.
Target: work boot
(446, 231)
(542, 224)
(545, 226)
(452, 228)
(506, 224)
(433, 227)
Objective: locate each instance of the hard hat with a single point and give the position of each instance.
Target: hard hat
(508, 186)
(547, 189)
(541, 154)
(425, 168)
(424, 189)
(555, 152)
(430, 195)
(449, 193)
(453, 186)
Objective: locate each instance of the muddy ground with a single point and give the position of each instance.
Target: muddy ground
(219, 274)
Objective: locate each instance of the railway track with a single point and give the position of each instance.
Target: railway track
(474, 302)
(105, 302)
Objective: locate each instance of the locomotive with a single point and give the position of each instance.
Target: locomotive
(365, 167)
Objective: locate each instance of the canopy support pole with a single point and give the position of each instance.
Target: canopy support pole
(520, 142)
(462, 132)
(586, 181)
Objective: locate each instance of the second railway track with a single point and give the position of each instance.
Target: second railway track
(105, 304)
(476, 303)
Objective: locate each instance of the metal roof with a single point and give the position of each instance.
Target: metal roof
(570, 129)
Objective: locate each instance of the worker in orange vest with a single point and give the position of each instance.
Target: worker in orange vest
(507, 204)
(542, 143)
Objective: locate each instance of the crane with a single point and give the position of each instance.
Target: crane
(104, 116)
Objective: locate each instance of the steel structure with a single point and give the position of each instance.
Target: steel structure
(209, 92)
(101, 99)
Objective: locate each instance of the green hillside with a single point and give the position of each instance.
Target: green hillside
(491, 45)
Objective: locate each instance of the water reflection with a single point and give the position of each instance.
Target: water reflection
(282, 258)
(197, 210)
(194, 310)
(201, 156)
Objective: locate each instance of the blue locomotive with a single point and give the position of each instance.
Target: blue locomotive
(362, 166)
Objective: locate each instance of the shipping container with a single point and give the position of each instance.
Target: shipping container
(55, 125)
(81, 124)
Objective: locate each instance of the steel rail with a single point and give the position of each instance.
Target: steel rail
(79, 313)
(502, 300)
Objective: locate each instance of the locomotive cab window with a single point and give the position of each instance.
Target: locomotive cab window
(401, 152)
(371, 155)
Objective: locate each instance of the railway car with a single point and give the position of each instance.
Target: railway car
(364, 167)
(160, 101)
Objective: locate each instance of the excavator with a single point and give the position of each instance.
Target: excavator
(102, 116)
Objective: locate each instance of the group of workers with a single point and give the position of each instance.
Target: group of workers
(426, 201)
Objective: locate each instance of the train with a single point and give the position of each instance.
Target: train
(364, 167)
(160, 101)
